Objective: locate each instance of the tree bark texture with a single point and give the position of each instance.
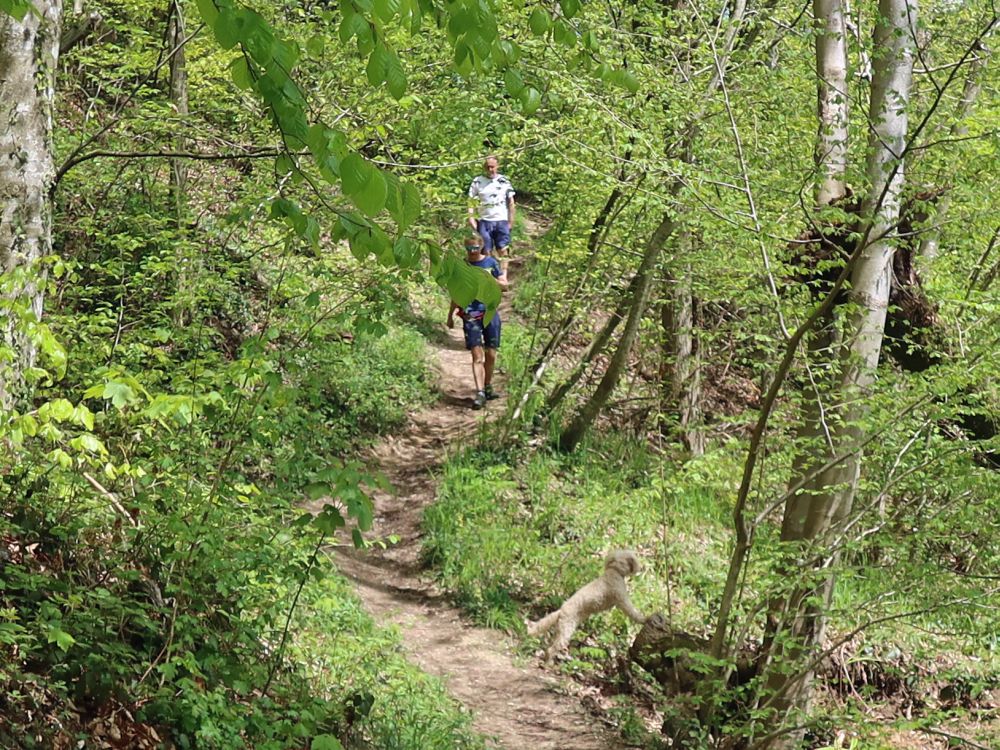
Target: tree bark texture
(819, 513)
(682, 381)
(832, 103)
(179, 100)
(29, 50)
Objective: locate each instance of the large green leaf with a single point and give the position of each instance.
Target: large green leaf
(240, 72)
(395, 76)
(17, 8)
(378, 65)
(569, 7)
(466, 283)
(386, 9)
(530, 98)
(353, 173)
(406, 252)
(539, 22)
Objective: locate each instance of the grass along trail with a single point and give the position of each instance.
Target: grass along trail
(519, 707)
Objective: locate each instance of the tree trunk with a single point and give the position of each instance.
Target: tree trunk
(29, 50)
(179, 100)
(831, 95)
(682, 379)
(821, 513)
(583, 420)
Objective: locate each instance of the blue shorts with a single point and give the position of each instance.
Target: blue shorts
(495, 234)
(476, 332)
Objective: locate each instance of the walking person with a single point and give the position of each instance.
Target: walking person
(481, 339)
(494, 215)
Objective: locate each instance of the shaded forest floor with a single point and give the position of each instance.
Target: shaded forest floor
(516, 705)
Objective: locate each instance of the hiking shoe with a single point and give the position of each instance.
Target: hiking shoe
(479, 401)
(491, 394)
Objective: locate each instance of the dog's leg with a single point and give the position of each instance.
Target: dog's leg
(543, 625)
(563, 633)
(626, 606)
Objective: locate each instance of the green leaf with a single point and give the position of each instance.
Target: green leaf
(60, 637)
(28, 425)
(329, 520)
(539, 22)
(563, 34)
(207, 8)
(371, 199)
(316, 45)
(285, 54)
(411, 204)
(466, 283)
(363, 184)
(259, 41)
(462, 21)
(54, 352)
(628, 81)
(88, 442)
(378, 65)
(228, 28)
(352, 25)
(60, 409)
(240, 73)
(326, 742)
(386, 10)
(353, 173)
(531, 99)
(316, 490)
(17, 8)
(395, 76)
(283, 164)
(513, 82)
(463, 58)
(569, 7)
(406, 253)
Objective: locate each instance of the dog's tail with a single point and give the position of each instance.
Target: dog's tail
(544, 625)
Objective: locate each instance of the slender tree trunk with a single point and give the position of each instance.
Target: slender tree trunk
(682, 378)
(179, 100)
(178, 167)
(583, 420)
(831, 95)
(29, 50)
(820, 514)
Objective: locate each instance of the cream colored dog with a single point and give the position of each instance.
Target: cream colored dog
(597, 596)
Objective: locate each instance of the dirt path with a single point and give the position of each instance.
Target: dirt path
(521, 707)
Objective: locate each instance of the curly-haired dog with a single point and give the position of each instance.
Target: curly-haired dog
(603, 593)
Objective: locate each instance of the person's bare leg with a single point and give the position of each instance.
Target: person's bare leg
(478, 368)
(503, 255)
(491, 360)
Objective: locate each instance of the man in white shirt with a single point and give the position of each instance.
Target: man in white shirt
(496, 209)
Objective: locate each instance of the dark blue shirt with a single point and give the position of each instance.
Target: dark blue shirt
(477, 309)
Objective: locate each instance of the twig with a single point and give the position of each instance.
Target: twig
(112, 498)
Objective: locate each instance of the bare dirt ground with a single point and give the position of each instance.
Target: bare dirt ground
(521, 707)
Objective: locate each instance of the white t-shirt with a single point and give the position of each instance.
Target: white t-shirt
(492, 195)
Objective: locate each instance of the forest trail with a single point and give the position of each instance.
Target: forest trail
(519, 707)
